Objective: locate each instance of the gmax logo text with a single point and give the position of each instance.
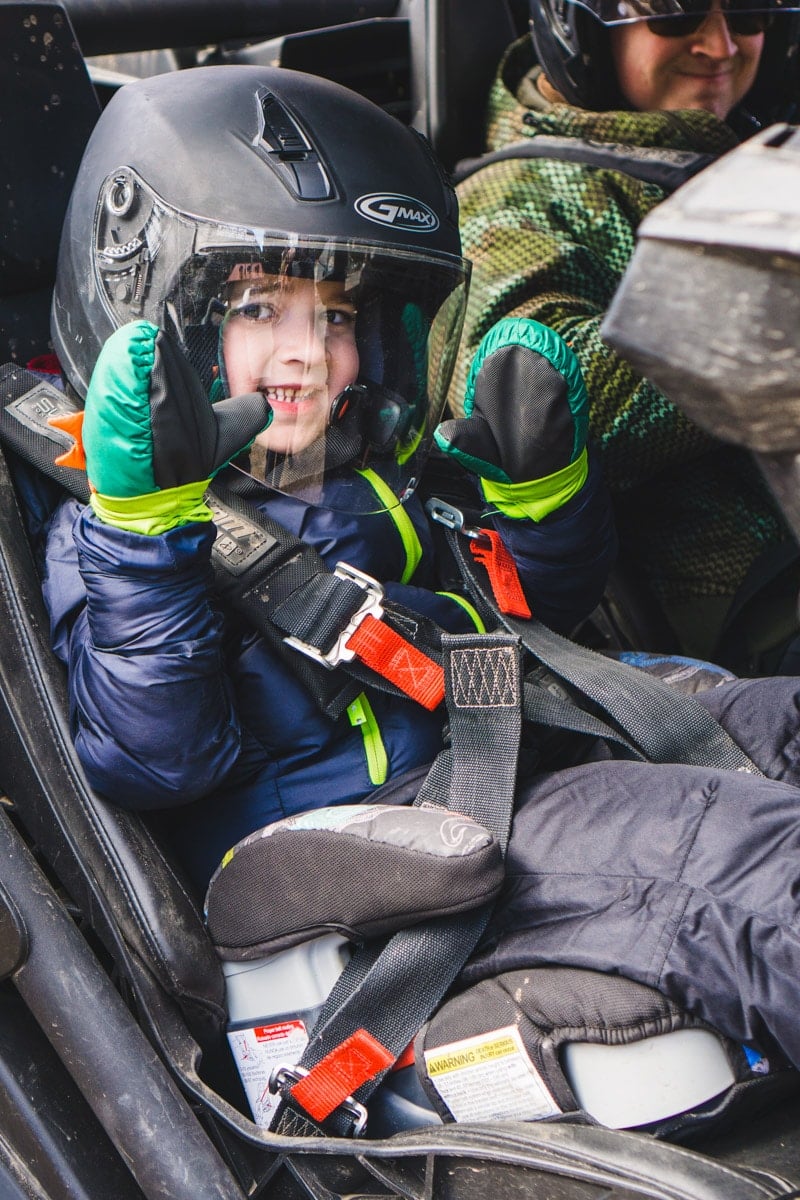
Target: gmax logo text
(402, 212)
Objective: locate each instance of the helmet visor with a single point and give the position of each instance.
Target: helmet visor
(685, 16)
(352, 346)
(352, 343)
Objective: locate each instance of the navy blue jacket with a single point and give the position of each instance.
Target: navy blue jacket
(176, 705)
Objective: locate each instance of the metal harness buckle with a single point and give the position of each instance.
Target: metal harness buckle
(452, 518)
(371, 606)
(284, 1074)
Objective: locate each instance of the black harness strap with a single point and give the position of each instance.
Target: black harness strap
(276, 581)
(26, 404)
(549, 711)
(293, 598)
(667, 169)
(659, 723)
(386, 994)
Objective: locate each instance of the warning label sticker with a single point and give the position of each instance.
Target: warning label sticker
(257, 1051)
(490, 1077)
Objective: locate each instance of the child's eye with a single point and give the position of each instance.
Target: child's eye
(254, 310)
(340, 316)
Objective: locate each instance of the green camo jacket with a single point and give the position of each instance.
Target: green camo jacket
(551, 239)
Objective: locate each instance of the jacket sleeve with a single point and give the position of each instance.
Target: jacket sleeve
(551, 241)
(151, 710)
(563, 562)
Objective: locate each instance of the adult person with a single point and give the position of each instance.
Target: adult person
(651, 87)
(278, 297)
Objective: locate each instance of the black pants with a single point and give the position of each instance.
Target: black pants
(683, 878)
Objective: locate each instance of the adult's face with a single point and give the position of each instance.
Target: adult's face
(712, 68)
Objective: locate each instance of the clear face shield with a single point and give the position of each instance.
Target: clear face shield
(352, 344)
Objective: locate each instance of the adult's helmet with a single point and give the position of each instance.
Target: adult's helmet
(198, 186)
(571, 41)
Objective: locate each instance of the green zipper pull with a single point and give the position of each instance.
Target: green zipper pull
(362, 717)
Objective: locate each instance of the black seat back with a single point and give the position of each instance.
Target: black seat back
(456, 46)
(107, 859)
(49, 109)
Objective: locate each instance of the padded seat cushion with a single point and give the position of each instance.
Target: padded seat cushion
(365, 870)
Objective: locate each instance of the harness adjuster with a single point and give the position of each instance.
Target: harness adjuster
(371, 606)
(488, 548)
(284, 1076)
(453, 518)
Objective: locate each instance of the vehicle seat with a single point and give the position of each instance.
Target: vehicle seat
(430, 64)
(456, 46)
(39, 155)
(107, 859)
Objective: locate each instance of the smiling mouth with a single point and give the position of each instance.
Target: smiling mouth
(287, 395)
(717, 76)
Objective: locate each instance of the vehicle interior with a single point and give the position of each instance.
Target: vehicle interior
(113, 1057)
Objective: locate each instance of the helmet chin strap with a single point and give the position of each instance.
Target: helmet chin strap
(365, 418)
(341, 446)
(742, 122)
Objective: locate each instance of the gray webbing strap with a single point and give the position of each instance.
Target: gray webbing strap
(391, 993)
(662, 724)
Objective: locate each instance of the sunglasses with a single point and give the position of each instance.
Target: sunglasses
(740, 18)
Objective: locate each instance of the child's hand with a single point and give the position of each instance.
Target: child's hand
(151, 438)
(148, 424)
(526, 420)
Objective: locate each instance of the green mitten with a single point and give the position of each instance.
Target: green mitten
(526, 420)
(151, 439)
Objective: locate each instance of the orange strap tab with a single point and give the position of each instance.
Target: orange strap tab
(502, 572)
(390, 655)
(71, 423)
(406, 1059)
(359, 1058)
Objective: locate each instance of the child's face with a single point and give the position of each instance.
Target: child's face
(293, 340)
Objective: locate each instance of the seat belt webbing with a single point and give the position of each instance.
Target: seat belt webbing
(275, 580)
(663, 725)
(384, 996)
(667, 169)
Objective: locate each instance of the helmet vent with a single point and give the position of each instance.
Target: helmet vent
(291, 153)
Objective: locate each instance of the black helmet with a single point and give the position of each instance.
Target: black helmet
(200, 188)
(570, 38)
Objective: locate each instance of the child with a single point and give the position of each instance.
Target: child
(281, 247)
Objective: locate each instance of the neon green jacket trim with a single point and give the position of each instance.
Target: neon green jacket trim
(362, 717)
